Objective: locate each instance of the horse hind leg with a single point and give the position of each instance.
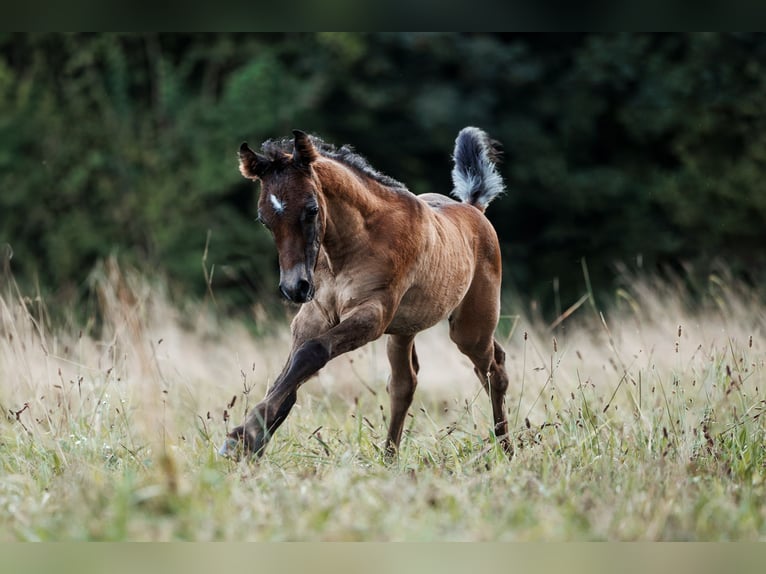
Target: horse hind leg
(489, 366)
(496, 386)
(475, 339)
(404, 368)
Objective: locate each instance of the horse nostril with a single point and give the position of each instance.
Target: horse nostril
(304, 287)
(301, 292)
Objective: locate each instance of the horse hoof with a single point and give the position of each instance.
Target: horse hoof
(229, 447)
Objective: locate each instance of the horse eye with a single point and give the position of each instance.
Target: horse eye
(312, 211)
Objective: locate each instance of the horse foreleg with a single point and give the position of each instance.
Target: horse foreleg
(308, 323)
(308, 355)
(404, 367)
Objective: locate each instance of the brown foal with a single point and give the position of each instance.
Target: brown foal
(365, 257)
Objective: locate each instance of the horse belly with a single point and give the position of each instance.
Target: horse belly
(423, 307)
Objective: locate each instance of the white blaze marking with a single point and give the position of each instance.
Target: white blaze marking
(278, 206)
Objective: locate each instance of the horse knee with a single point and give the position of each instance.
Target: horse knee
(402, 389)
(307, 360)
(402, 384)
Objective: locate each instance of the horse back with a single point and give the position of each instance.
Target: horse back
(467, 221)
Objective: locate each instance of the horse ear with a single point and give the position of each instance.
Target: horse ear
(251, 165)
(304, 151)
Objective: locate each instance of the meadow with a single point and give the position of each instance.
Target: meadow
(639, 423)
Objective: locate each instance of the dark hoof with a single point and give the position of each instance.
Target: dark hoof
(231, 448)
(235, 445)
(390, 454)
(507, 446)
(240, 443)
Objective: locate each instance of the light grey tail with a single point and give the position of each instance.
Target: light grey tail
(475, 176)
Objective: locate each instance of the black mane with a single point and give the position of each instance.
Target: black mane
(275, 151)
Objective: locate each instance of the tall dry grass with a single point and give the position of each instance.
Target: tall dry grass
(125, 413)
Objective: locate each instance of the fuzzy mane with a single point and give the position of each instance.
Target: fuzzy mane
(277, 151)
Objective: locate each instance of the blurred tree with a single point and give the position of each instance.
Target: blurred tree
(619, 147)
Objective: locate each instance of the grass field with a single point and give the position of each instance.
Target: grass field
(643, 424)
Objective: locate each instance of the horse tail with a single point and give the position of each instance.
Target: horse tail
(475, 176)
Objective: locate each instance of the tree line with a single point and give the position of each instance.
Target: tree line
(636, 150)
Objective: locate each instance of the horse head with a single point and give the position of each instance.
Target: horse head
(291, 208)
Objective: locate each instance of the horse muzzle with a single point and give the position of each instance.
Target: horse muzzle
(300, 290)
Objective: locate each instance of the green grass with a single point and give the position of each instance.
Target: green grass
(643, 425)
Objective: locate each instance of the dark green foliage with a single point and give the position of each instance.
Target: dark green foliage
(619, 148)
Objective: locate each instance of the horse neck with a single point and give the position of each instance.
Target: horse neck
(351, 200)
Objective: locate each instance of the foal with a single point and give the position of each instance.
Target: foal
(364, 256)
